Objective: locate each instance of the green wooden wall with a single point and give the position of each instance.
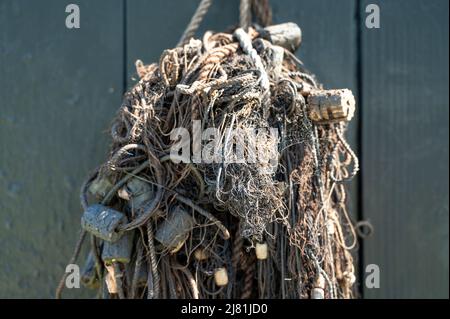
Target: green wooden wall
(60, 88)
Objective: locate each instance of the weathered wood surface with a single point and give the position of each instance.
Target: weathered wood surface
(287, 35)
(331, 106)
(59, 89)
(405, 147)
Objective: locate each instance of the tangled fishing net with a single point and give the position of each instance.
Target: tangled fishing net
(226, 175)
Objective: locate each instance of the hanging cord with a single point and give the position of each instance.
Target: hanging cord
(246, 44)
(249, 273)
(153, 264)
(263, 12)
(194, 24)
(245, 14)
(334, 157)
(73, 259)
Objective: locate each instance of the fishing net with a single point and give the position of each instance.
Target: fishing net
(226, 175)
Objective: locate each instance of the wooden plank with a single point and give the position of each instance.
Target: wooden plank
(405, 147)
(59, 90)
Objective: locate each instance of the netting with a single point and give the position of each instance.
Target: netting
(225, 178)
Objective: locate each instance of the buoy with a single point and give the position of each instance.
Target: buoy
(137, 192)
(261, 251)
(221, 277)
(119, 251)
(100, 186)
(200, 254)
(173, 231)
(330, 106)
(287, 35)
(103, 222)
(318, 291)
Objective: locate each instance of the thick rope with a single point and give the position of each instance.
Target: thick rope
(248, 277)
(194, 24)
(192, 283)
(245, 14)
(238, 243)
(262, 11)
(153, 264)
(246, 44)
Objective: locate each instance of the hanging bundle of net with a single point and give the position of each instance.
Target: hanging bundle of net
(226, 175)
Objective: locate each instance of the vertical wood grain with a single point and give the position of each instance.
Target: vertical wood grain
(405, 147)
(59, 89)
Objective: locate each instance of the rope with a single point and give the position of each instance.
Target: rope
(262, 11)
(153, 263)
(212, 219)
(237, 255)
(137, 269)
(194, 24)
(246, 44)
(245, 14)
(248, 278)
(192, 283)
(352, 155)
(75, 254)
